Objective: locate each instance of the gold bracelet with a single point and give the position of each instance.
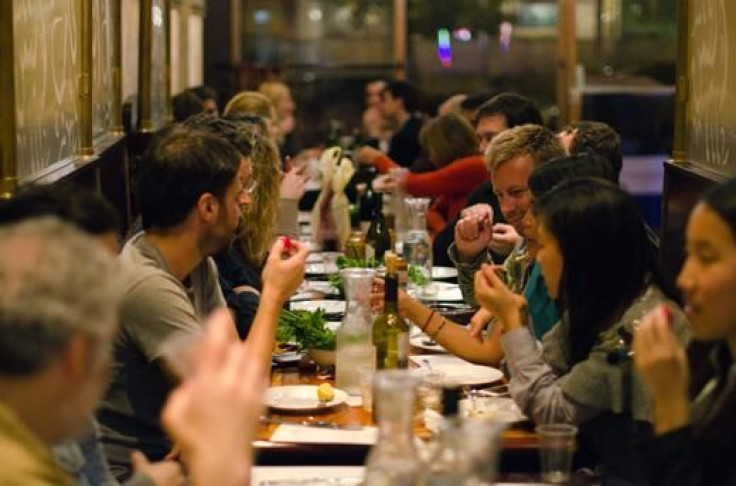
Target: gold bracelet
(439, 328)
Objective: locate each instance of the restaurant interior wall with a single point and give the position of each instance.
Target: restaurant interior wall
(325, 47)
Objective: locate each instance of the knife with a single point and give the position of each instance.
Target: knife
(312, 423)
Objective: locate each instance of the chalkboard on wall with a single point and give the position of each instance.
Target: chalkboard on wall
(158, 65)
(711, 105)
(47, 66)
(102, 45)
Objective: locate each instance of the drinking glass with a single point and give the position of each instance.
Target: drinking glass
(556, 447)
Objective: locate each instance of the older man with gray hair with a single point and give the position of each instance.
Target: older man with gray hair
(58, 315)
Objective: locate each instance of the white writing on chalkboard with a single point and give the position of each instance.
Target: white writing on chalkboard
(46, 70)
(711, 118)
(102, 44)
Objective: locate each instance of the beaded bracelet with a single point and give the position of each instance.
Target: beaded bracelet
(437, 332)
(431, 314)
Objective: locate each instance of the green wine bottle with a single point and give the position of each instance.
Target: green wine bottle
(378, 239)
(390, 331)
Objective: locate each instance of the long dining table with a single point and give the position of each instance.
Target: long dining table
(518, 451)
(519, 447)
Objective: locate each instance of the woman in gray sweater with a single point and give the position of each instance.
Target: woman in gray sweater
(601, 270)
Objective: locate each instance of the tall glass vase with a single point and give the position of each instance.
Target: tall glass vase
(355, 348)
(418, 247)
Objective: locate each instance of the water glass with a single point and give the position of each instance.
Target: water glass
(556, 447)
(429, 392)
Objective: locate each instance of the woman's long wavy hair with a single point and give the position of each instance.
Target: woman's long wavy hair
(260, 217)
(608, 261)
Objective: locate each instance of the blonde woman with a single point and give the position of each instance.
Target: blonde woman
(254, 103)
(240, 265)
(280, 95)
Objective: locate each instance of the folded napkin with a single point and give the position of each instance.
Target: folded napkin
(298, 434)
(276, 475)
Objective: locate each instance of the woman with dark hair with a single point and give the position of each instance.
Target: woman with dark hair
(599, 266)
(694, 393)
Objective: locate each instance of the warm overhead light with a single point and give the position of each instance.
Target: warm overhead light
(261, 16)
(315, 14)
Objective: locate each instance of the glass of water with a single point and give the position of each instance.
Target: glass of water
(556, 448)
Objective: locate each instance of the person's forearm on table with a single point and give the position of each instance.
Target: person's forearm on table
(452, 336)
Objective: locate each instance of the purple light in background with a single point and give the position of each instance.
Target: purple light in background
(462, 34)
(505, 32)
(444, 48)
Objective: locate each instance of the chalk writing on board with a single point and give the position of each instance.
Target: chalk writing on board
(710, 72)
(158, 62)
(46, 70)
(102, 44)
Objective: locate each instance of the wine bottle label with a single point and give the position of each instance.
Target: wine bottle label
(402, 360)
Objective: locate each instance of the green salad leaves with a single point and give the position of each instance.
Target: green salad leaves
(306, 329)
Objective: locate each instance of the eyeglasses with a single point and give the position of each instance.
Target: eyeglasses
(250, 187)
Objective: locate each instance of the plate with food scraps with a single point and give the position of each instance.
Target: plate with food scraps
(456, 371)
(301, 398)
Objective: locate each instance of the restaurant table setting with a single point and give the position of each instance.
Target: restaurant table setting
(331, 409)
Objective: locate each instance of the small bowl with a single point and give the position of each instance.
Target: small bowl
(323, 357)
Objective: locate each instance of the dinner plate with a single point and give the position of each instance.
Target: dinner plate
(314, 268)
(315, 258)
(304, 217)
(329, 306)
(457, 371)
(421, 341)
(499, 409)
(319, 286)
(300, 398)
(440, 292)
(284, 358)
(440, 273)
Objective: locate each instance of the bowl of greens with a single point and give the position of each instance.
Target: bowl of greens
(308, 330)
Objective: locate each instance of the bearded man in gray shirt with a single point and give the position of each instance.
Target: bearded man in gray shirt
(191, 188)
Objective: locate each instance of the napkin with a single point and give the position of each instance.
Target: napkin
(275, 474)
(298, 434)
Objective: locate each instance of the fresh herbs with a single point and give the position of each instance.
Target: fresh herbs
(416, 276)
(414, 273)
(305, 328)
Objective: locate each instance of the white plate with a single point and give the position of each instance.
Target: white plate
(330, 306)
(457, 371)
(441, 291)
(292, 357)
(319, 286)
(304, 217)
(444, 272)
(315, 258)
(314, 268)
(300, 398)
(499, 409)
(418, 341)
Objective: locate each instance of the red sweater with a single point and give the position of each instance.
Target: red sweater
(449, 185)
